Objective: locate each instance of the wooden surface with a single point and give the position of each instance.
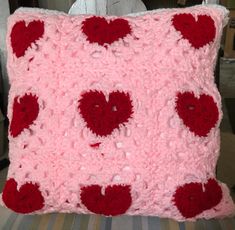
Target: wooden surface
(229, 49)
(230, 105)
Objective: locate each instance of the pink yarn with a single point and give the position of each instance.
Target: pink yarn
(154, 152)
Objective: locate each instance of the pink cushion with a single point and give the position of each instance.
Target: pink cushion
(115, 115)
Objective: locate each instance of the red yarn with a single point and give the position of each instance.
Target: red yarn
(98, 30)
(191, 200)
(212, 195)
(28, 199)
(188, 199)
(116, 200)
(95, 145)
(103, 117)
(198, 33)
(23, 36)
(199, 114)
(25, 111)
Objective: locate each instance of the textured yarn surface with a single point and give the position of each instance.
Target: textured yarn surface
(115, 115)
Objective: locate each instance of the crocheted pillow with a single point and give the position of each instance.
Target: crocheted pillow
(115, 115)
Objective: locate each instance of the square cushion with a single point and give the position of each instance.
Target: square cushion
(115, 115)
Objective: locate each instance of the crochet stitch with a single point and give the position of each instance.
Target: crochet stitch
(103, 117)
(27, 199)
(115, 201)
(25, 112)
(192, 200)
(98, 30)
(115, 115)
(200, 115)
(198, 33)
(23, 36)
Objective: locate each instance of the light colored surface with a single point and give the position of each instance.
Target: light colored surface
(4, 13)
(59, 221)
(211, 1)
(61, 5)
(107, 7)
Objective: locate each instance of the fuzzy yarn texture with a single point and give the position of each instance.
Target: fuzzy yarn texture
(115, 115)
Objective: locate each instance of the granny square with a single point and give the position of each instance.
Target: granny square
(115, 115)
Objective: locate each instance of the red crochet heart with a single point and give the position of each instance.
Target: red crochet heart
(98, 30)
(212, 195)
(199, 114)
(25, 111)
(23, 36)
(28, 199)
(102, 116)
(191, 200)
(198, 33)
(116, 200)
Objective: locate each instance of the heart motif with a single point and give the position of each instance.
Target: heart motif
(191, 199)
(102, 116)
(100, 31)
(116, 200)
(23, 36)
(200, 115)
(25, 111)
(28, 199)
(212, 195)
(198, 33)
